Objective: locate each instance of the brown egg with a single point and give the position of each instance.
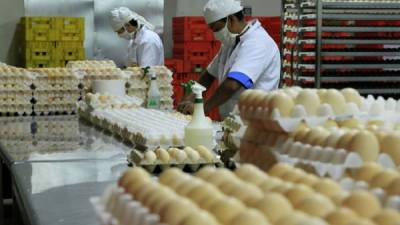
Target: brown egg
(336, 100)
(363, 203)
(308, 180)
(199, 218)
(283, 102)
(361, 222)
(220, 176)
(367, 171)
(292, 218)
(248, 193)
(279, 169)
(341, 216)
(249, 217)
(351, 95)
(134, 187)
(384, 178)
(316, 205)
(269, 184)
(274, 206)
(298, 193)
(345, 139)
(177, 210)
(333, 138)
(391, 146)
(198, 193)
(185, 187)
(158, 197)
(251, 173)
(327, 187)
(316, 135)
(293, 175)
(394, 187)
(387, 217)
(133, 175)
(366, 145)
(309, 99)
(205, 172)
(301, 134)
(226, 209)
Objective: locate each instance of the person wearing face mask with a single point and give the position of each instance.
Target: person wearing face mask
(145, 46)
(248, 58)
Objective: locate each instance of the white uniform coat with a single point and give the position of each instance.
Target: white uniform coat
(146, 49)
(256, 56)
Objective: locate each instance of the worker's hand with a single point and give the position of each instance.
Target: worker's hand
(186, 107)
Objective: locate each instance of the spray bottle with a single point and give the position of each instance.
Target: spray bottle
(200, 130)
(153, 95)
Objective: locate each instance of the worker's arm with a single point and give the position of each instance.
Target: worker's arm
(206, 79)
(225, 91)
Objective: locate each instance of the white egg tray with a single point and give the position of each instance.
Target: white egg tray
(46, 109)
(83, 64)
(19, 109)
(115, 207)
(15, 127)
(377, 109)
(97, 101)
(13, 83)
(326, 160)
(15, 97)
(56, 97)
(56, 84)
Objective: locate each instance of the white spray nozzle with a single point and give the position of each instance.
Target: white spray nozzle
(198, 90)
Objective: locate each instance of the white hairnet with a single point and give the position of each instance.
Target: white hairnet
(215, 10)
(123, 15)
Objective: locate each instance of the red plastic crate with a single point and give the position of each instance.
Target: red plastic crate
(184, 77)
(191, 28)
(195, 66)
(189, 51)
(175, 65)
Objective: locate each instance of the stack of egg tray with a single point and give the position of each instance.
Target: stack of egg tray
(15, 91)
(56, 91)
(83, 64)
(93, 73)
(138, 84)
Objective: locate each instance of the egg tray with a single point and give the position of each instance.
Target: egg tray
(15, 84)
(84, 64)
(56, 98)
(16, 110)
(115, 207)
(46, 110)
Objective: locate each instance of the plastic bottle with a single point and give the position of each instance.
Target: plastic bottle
(200, 130)
(153, 95)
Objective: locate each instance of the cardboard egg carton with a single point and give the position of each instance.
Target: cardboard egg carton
(15, 127)
(51, 109)
(56, 79)
(82, 64)
(187, 159)
(98, 101)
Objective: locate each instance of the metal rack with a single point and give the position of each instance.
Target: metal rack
(356, 40)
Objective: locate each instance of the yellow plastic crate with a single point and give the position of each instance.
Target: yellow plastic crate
(68, 51)
(70, 28)
(40, 51)
(43, 63)
(39, 28)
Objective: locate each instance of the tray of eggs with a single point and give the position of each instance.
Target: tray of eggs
(187, 158)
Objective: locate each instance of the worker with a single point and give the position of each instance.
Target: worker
(145, 46)
(248, 58)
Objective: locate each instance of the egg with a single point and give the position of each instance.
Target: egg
(251, 173)
(169, 175)
(199, 218)
(162, 155)
(180, 156)
(249, 217)
(316, 205)
(341, 216)
(333, 138)
(283, 103)
(363, 203)
(309, 99)
(248, 193)
(293, 175)
(172, 152)
(244, 98)
(391, 146)
(330, 124)
(298, 193)
(394, 187)
(345, 139)
(336, 99)
(384, 178)
(164, 201)
(327, 187)
(284, 187)
(270, 184)
(316, 136)
(351, 95)
(205, 172)
(361, 222)
(220, 176)
(158, 197)
(136, 174)
(351, 123)
(149, 157)
(210, 200)
(176, 211)
(366, 145)
(387, 217)
(367, 171)
(292, 218)
(274, 206)
(279, 169)
(226, 209)
(193, 156)
(313, 221)
(145, 190)
(205, 153)
(308, 180)
(199, 193)
(187, 185)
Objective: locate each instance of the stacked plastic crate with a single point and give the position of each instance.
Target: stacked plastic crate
(52, 41)
(193, 50)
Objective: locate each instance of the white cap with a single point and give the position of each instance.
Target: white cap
(122, 15)
(215, 10)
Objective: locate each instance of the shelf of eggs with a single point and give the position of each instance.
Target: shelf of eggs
(186, 159)
(15, 91)
(358, 45)
(285, 195)
(329, 130)
(138, 84)
(135, 125)
(56, 90)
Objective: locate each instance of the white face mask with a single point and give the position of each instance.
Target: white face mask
(125, 35)
(224, 35)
